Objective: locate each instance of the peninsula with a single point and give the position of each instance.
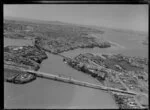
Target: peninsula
(54, 38)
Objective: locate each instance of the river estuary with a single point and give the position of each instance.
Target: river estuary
(43, 93)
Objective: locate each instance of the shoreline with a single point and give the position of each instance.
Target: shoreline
(29, 58)
(66, 57)
(82, 67)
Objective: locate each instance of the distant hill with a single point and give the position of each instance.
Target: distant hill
(33, 20)
(65, 23)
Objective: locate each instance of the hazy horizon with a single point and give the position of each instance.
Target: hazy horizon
(130, 17)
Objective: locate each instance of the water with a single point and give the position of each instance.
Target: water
(18, 42)
(43, 93)
(130, 45)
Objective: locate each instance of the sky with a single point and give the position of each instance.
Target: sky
(131, 17)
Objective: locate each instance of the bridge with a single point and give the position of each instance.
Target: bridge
(77, 82)
(70, 80)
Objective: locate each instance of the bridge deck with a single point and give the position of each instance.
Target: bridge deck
(77, 82)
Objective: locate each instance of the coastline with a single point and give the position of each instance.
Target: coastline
(85, 68)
